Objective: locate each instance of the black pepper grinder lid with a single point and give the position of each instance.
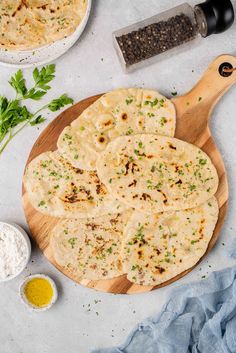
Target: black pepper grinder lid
(216, 16)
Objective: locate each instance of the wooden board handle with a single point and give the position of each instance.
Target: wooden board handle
(207, 92)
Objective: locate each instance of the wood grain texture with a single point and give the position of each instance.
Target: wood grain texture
(193, 112)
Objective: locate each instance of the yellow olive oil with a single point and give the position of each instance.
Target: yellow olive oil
(39, 292)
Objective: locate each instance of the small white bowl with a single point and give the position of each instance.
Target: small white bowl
(30, 305)
(28, 246)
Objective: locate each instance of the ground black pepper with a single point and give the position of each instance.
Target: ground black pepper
(156, 38)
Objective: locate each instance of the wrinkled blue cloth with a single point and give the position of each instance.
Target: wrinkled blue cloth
(199, 317)
(230, 250)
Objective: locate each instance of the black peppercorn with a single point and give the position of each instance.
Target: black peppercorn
(156, 38)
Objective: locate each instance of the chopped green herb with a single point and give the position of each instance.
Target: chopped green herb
(129, 131)
(134, 267)
(129, 101)
(192, 187)
(139, 235)
(151, 186)
(202, 161)
(68, 137)
(151, 103)
(72, 241)
(131, 159)
(53, 174)
(140, 144)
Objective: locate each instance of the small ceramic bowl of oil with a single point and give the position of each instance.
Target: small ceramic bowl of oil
(38, 292)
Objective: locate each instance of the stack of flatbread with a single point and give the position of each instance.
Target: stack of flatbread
(131, 198)
(28, 24)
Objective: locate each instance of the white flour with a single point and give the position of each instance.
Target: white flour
(13, 251)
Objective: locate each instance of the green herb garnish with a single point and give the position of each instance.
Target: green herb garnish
(192, 187)
(152, 103)
(129, 101)
(14, 115)
(202, 161)
(109, 250)
(72, 241)
(129, 131)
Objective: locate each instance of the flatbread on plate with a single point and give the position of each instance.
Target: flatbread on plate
(90, 248)
(158, 247)
(55, 188)
(28, 24)
(156, 173)
(119, 112)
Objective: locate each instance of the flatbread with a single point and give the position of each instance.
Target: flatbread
(28, 24)
(155, 173)
(159, 247)
(119, 112)
(55, 188)
(90, 248)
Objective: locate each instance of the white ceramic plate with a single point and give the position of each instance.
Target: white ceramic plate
(45, 54)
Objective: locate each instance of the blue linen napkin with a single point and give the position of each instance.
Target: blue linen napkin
(230, 250)
(199, 317)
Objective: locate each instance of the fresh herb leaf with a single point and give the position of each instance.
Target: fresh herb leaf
(44, 76)
(34, 94)
(40, 119)
(14, 114)
(18, 83)
(59, 103)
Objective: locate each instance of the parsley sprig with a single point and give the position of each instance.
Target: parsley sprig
(15, 116)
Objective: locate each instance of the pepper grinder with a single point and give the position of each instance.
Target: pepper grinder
(144, 42)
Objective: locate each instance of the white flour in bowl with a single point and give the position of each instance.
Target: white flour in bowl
(13, 251)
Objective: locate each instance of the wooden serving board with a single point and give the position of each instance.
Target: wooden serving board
(193, 113)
